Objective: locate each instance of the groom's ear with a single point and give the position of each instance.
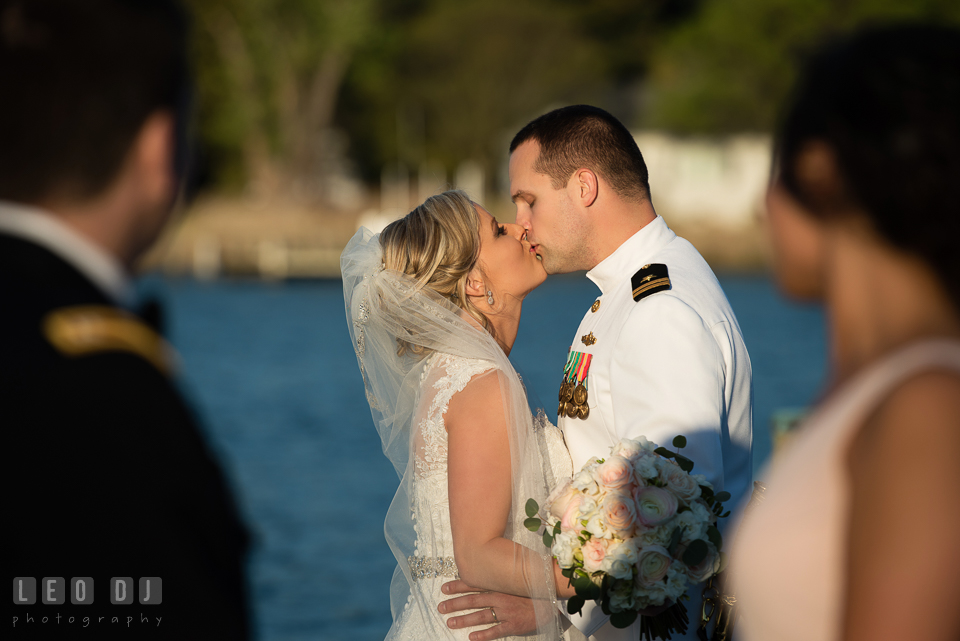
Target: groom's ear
(585, 185)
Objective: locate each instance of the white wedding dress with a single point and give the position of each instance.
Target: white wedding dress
(433, 564)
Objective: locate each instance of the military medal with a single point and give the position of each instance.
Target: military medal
(573, 389)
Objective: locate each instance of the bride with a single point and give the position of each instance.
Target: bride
(433, 306)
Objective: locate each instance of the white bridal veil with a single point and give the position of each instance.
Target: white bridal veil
(384, 307)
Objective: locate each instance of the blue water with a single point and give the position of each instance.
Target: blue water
(271, 369)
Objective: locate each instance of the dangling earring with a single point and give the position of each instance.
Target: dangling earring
(489, 297)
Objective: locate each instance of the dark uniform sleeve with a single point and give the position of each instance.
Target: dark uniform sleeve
(115, 480)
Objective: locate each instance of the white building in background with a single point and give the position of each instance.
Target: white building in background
(716, 180)
(470, 179)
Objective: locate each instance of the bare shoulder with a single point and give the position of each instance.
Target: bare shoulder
(904, 467)
(478, 401)
(922, 412)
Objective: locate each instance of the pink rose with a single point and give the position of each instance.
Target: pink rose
(615, 473)
(655, 505)
(653, 562)
(594, 552)
(560, 498)
(620, 513)
(568, 520)
(564, 504)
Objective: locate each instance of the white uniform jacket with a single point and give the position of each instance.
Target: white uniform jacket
(672, 362)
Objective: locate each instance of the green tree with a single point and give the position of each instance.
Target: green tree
(731, 67)
(269, 75)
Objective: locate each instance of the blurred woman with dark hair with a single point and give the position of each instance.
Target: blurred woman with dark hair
(858, 535)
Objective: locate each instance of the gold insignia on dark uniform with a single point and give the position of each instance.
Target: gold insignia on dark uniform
(650, 279)
(92, 329)
(595, 306)
(589, 339)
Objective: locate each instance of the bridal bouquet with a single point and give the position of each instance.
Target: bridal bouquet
(633, 532)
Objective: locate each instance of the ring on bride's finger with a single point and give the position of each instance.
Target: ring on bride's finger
(494, 613)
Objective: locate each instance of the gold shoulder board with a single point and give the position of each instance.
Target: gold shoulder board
(85, 330)
(650, 280)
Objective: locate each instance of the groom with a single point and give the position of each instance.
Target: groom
(659, 353)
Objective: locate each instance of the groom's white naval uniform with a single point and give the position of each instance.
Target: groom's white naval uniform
(664, 363)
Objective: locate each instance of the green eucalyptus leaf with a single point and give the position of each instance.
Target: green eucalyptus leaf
(567, 572)
(532, 507)
(623, 619)
(556, 528)
(548, 539)
(706, 493)
(695, 552)
(575, 604)
(532, 524)
(675, 539)
(722, 496)
(664, 452)
(685, 464)
(714, 535)
(680, 441)
(725, 514)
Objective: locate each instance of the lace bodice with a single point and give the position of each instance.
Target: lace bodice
(442, 378)
(433, 563)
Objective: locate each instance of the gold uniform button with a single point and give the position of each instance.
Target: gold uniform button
(595, 306)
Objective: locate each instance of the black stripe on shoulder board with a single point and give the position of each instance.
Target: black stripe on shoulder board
(650, 280)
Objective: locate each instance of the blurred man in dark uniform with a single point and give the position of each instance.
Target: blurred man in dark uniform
(106, 473)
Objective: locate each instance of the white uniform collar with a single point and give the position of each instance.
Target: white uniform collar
(44, 229)
(634, 253)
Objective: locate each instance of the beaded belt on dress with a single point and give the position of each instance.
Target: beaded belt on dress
(431, 567)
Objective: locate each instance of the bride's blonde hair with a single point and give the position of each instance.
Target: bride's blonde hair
(438, 244)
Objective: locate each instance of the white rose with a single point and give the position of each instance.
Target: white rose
(596, 528)
(589, 508)
(655, 505)
(702, 512)
(676, 582)
(657, 536)
(586, 483)
(693, 526)
(630, 448)
(621, 597)
(653, 562)
(565, 545)
(645, 467)
(679, 482)
(702, 480)
(620, 560)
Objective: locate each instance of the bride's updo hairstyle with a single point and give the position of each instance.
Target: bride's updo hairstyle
(886, 101)
(438, 245)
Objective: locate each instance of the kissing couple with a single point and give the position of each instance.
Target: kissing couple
(433, 306)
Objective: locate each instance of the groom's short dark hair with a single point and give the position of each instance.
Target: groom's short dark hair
(581, 136)
(78, 78)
